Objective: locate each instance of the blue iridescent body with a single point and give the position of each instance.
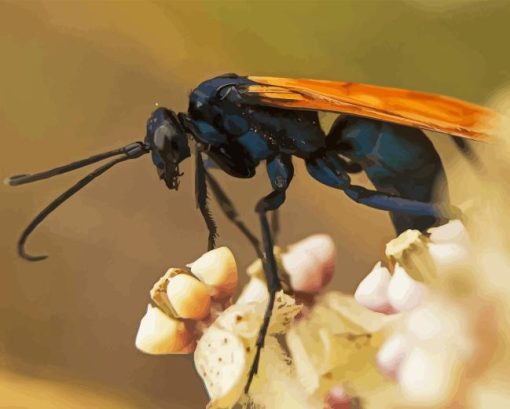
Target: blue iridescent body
(237, 132)
(398, 160)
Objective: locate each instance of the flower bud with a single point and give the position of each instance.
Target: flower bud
(449, 255)
(310, 263)
(337, 398)
(372, 292)
(404, 293)
(452, 232)
(160, 334)
(217, 269)
(254, 291)
(392, 354)
(188, 297)
(429, 378)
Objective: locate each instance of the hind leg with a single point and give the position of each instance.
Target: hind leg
(401, 162)
(328, 170)
(393, 203)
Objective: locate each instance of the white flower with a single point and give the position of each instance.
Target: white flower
(382, 292)
(404, 293)
(310, 263)
(372, 292)
(391, 354)
(225, 352)
(416, 259)
(444, 334)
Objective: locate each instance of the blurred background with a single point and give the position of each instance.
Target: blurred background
(80, 78)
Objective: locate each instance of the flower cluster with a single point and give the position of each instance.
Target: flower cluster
(417, 333)
(186, 299)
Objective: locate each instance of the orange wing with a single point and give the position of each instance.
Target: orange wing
(417, 109)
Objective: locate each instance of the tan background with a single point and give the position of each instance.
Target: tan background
(82, 77)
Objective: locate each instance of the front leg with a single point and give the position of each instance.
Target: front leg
(280, 171)
(228, 208)
(201, 200)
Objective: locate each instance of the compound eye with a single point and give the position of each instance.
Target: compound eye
(165, 142)
(160, 137)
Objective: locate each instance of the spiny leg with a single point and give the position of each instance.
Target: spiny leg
(230, 211)
(209, 140)
(280, 171)
(201, 199)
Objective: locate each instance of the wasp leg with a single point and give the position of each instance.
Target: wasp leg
(329, 170)
(350, 166)
(280, 171)
(210, 164)
(202, 203)
(275, 224)
(392, 203)
(230, 212)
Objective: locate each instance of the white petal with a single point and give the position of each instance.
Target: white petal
(404, 293)
(436, 324)
(159, 334)
(220, 360)
(448, 255)
(392, 354)
(426, 325)
(429, 378)
(304, 271)
(217, 269)
(451, 232)
(323, 249)
(310, 263)
(321, 245)
(372, 292)
(254, 291)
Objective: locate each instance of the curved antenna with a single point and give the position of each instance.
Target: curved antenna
(136, 151)
(28, 178)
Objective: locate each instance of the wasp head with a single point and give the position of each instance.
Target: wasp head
(169, 145)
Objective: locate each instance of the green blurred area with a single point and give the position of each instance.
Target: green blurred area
(82, 77)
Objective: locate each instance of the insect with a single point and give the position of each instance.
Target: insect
(235, 122)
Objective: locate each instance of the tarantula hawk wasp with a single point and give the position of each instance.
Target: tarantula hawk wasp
(237, 122)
